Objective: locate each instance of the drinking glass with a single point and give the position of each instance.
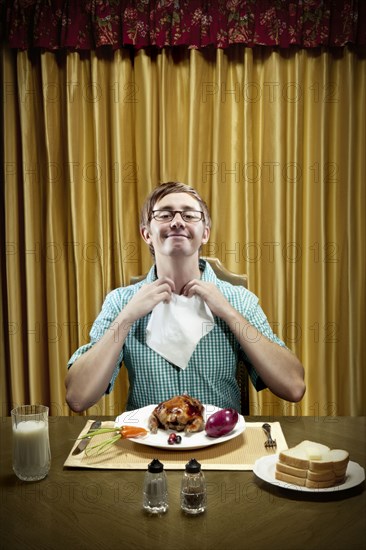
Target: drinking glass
(31, 446)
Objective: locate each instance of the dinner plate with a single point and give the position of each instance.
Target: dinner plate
(265, 467)
(140, 417)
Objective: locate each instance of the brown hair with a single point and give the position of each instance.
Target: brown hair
(166, 189)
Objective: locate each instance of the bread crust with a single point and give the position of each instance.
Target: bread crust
(309, 483)
(327, 475)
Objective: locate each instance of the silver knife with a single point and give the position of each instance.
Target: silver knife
(84, 442)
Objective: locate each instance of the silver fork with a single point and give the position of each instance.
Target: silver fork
(270, 443)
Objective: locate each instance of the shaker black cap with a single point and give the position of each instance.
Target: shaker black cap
(193, 467)
(155, 466)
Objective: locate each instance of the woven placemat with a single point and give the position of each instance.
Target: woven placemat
(239, 453)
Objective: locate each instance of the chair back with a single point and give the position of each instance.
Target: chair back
(224, 274)
(235, 279)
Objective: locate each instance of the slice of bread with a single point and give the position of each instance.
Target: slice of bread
(290, 470)
(293, 480)
(312, 465)
(299, 456)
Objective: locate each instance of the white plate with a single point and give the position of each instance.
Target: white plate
(140, 418)
(265, 467)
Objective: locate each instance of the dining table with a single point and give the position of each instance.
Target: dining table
(101, 508)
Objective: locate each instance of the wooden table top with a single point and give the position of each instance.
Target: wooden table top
(97, 509)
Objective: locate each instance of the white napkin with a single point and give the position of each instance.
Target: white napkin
(175, 328)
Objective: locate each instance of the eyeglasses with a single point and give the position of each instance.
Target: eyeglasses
(192, 216)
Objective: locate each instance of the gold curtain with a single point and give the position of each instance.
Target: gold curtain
(274, 140)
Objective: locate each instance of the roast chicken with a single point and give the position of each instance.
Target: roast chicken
(181, 413)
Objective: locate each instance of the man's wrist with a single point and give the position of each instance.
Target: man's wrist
(124, 322)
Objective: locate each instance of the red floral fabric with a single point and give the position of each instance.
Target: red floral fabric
(90, 24)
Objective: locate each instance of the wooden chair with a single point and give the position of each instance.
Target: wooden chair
(238, 280)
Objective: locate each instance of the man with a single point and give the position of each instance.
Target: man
(175, 223)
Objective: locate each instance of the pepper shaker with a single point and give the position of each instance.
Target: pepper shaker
(155, 492)
(193, 495)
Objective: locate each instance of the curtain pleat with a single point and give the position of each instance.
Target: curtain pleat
(273, 139)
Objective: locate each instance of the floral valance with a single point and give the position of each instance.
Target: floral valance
(90, 24)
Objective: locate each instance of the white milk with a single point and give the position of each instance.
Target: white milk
(31, 450)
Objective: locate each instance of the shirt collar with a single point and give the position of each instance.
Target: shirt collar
(208, 274)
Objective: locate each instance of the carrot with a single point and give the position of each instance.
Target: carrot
(124, 432)
(128, 432)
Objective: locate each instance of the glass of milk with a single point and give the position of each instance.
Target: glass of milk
(31, 446)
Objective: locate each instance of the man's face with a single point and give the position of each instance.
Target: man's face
(176, 237)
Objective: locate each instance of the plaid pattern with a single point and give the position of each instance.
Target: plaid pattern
(211, 373)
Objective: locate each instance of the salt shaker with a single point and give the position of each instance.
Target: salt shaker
(193, 495)
(155, 492)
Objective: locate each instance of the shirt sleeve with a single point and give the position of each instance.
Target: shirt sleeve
(105, 321)
(257, 318)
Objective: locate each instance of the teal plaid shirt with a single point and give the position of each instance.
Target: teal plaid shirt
(211, 372)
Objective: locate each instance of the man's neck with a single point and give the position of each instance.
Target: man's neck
(180, 270)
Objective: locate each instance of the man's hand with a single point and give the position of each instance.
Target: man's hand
(148, 297)
(209, 292)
